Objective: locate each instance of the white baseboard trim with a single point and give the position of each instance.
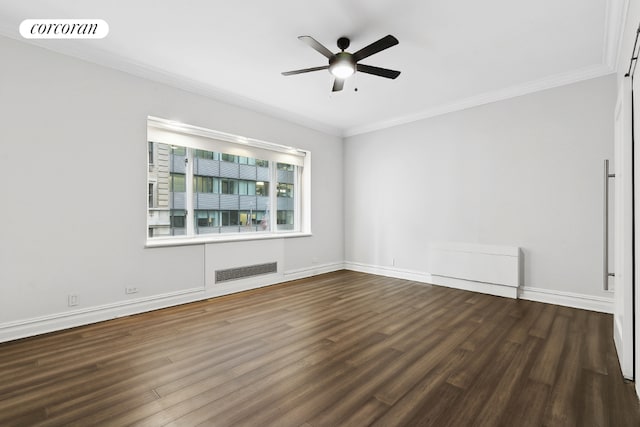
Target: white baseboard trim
(568, 299)
(302, 273)
(41, 325)
(473, 286)
(397, 273)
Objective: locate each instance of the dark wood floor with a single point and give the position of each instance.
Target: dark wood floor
(339, 349)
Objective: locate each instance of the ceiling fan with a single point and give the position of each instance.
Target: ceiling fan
(343, 64)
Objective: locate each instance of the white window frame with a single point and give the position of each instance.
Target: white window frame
(192, 137)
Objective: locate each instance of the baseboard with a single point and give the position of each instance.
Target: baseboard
(482, 287)
(314, 270)
(568, 299)
(55, 322)
(44, 324)
(397, 273)
(41, 325)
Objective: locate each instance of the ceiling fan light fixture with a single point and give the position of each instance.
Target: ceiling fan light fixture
(342, 66)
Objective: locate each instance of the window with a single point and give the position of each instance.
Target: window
(262, 188)
(178, 151)
(207, 155)
(177, 221)
(285, 190)
(177, 183)
(229, 186)
(208, 183)
(205, 184)
(229, 157)
(151, 195)
(150, 152)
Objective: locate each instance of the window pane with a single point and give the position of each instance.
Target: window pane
(285, 190)
(285, 167)
(285, 193)
(203, 154)
(262, 163)
(203, 184)
(151, 152)
(285, 218)
(207, 221)
(262, 220)
(158, 187)
(178, 151)
(243, 187)
(229, 158)
(178, 221)
(178, 184)
(262, 188)
(229, 186)
(151, 198)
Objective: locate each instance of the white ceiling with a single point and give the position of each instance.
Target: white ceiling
(452, 54)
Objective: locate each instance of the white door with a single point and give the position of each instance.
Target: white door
(636, 172)
(623, 319)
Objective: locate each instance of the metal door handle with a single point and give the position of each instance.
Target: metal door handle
(605, 228)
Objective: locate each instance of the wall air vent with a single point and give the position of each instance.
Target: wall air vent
(246, 271)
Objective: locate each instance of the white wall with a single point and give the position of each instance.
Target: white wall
(73, 209)
(523, 172)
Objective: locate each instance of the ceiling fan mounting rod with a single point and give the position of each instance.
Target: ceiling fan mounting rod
(343, 43)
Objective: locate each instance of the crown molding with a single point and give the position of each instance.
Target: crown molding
(550, 82)
(615, 18)
(616, 12)
(109, 60)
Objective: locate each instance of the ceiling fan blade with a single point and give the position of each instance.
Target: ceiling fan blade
(338, 84)
(305, 70)
(375, 47)
(377, 71)
(316, 45)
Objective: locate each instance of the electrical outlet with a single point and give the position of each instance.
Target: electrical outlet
(131, 290)
(73, 300)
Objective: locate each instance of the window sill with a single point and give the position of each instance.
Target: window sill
(201, 240)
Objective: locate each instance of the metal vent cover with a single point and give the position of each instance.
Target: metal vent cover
(246, 271)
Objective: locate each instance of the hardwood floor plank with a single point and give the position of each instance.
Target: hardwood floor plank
(343, 348)
(561, 410)
(526, 408)
(543, 323)
(366, 414)
(546, 366)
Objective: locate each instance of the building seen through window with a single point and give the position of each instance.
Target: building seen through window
(198, 192)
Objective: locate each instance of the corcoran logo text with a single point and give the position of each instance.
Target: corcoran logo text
(64, 28)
